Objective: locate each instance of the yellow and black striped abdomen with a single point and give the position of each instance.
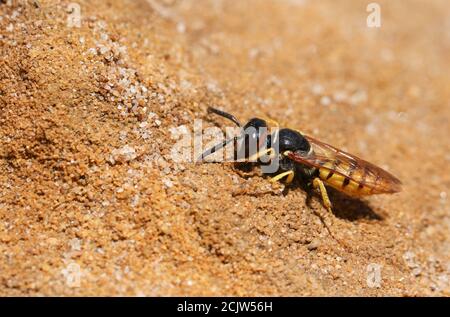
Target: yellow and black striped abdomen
(346, 172)
(352, 182)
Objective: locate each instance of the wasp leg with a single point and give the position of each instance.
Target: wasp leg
(290, 176)
(318, 184)
(260, 154)
(251, 161)
(237, 168)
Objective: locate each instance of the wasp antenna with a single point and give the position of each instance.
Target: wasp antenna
(225, 115)
(216, 147)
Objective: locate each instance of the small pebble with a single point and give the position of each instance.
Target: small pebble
(325, 101)
(313, 245)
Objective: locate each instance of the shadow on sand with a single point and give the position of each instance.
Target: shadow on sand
(344, 206)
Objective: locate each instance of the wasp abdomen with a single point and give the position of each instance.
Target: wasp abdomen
(343, 183)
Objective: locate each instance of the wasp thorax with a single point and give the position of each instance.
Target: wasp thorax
(290, 140)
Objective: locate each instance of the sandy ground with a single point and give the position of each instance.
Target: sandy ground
(93, 203)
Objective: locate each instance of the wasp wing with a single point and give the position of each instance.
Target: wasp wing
(336, 161)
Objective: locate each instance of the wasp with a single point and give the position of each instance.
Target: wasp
(315, 162)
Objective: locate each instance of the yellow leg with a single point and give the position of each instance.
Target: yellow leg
(317, 183)
(261, 153)
(290, 177)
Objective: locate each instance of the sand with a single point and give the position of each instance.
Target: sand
(92, 201)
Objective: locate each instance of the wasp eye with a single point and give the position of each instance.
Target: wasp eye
(253, 130)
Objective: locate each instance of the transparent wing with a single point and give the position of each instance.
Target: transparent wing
(350, 166)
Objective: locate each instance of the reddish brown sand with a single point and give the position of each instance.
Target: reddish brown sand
(92, 203)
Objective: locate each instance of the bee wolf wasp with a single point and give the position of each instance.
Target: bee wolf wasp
(316, 163)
